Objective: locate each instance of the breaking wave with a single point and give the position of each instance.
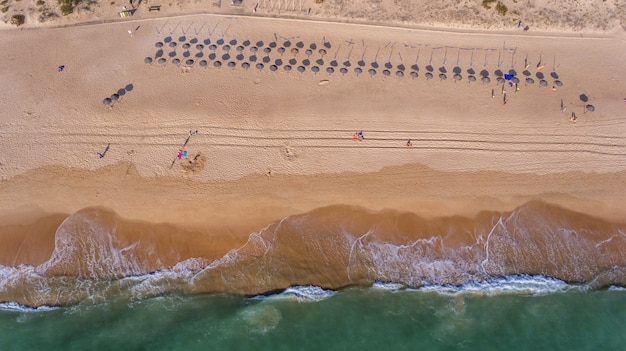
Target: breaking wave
(517, 285)
(300, 294)
(537, 248)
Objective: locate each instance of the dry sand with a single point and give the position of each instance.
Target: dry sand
(276, 143)
(540, 15)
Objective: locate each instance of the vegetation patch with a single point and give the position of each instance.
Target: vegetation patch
(40, 2)
(501, 9)
(487, 3)
(17, 20)
(67, 6)
(5, 9)
(4, 2)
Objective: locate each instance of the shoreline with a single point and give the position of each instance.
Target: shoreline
(262, 199)
(331, 247)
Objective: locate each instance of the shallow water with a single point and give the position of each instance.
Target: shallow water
(351, 319)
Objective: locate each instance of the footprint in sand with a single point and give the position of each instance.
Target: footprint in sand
(289, 154)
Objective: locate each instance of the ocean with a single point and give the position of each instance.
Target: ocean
(513, 313)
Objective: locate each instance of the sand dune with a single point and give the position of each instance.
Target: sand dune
(539, 15)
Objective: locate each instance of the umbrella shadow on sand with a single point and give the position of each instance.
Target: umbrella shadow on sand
(115, 97)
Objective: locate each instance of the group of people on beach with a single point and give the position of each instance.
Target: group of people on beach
(358, 136)
(182, 153)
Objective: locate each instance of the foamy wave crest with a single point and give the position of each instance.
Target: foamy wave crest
(515, 285)
(300, 294)
(87, 245)
(14, 306)
(388, 286)
(175, 280)
(617, 288)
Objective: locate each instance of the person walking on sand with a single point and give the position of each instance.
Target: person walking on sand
(106, 149)
(574, 118)
(409, 143)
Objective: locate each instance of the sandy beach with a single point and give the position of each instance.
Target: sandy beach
(271, 144)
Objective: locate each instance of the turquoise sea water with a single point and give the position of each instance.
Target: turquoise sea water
(476, 318)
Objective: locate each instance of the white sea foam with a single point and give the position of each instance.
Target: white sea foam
(387, 286)
(14, 306)
(301, 294)
(617, 288)
(514, 285)
(6, 273)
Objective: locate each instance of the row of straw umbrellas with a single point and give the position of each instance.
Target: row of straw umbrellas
(344, 70)
(254, 48)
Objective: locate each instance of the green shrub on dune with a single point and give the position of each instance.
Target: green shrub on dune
(501, 9)
(487, 3)
(17, 20)
(67, 6)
